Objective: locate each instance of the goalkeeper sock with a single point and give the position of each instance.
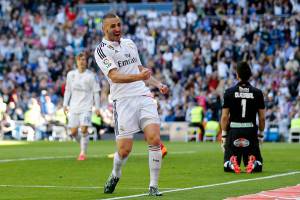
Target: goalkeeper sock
(155, 159)
(118, 163)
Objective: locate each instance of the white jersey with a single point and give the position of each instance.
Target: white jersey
(80, 89)
(124, 57)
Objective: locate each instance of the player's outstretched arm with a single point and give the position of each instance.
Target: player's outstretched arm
(117, 77)
(154, 82)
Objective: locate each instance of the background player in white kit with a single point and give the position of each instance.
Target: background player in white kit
(82, 91)
(134, 108)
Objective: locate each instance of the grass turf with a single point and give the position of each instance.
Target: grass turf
(200, 165)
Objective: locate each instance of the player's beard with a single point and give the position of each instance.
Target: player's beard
(117, 35)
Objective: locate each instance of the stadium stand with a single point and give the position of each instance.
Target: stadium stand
(192, 45)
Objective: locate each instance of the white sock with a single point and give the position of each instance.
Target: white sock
(118, 162)
(155, 161)
(84, 141)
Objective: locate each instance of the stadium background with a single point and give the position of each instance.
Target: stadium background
(193, 46)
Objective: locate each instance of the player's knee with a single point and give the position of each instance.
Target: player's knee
(258, 167)
(124, 152)
(74, 132)
(227, 169)
(154, 139)
(84, 130)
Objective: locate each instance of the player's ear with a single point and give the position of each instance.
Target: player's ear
(104, 25)
(103, 28)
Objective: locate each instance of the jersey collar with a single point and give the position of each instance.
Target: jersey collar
(81, 72)
(245, 83)
(113, 43)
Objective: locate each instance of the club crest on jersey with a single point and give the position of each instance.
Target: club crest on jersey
(241, 142)
(112, 48)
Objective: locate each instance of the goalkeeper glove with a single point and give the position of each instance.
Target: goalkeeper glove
(223, 141)
(260, 137)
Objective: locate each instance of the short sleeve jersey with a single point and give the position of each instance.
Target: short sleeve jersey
(122, 56)
(243, 101)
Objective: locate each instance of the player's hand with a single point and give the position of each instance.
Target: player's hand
(66, 110)
(223, 142)
(97, 111)
(163, 89)
(145, 74)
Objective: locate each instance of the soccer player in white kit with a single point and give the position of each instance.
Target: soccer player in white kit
(134, 108)
(82, 92)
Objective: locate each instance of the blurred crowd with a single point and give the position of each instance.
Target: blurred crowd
(194, 49)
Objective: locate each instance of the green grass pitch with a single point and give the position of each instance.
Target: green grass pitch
(54, 173)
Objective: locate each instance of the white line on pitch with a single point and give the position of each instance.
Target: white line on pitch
(91, 156)
(208, 186)
(74, 187)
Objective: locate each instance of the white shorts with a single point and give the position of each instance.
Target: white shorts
(79, 119)
(133, 114)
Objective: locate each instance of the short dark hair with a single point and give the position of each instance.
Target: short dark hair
(244, 71)
(109, 15)
(81, 54)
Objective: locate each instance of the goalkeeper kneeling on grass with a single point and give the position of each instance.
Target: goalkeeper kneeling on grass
(240, 134)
